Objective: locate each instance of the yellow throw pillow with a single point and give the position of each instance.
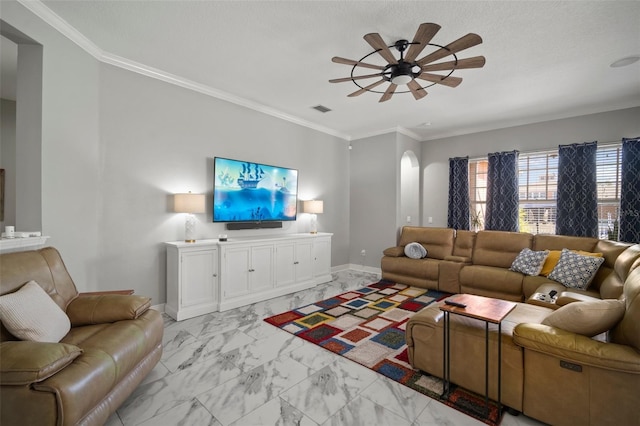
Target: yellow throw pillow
(587, 253)
(550, 262)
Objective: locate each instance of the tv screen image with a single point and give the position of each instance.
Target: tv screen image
(253, 192)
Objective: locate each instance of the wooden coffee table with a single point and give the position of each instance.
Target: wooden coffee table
(489, 310)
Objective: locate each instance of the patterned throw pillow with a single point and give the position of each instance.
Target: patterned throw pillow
(529, 262)
(575, 270)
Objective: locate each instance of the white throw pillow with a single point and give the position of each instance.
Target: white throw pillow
(415, 251)
(529, 262)
(30, 314)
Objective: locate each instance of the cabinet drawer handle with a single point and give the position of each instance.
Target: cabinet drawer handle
(251, 270)
(296, 263)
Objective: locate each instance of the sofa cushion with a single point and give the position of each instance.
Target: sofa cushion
(491, 281)
(23, 363)
(499, 248)
(415, 251)
(437, 241)
(627, 332)
(30, 314)
(575, 270)
(587, 318)
(529, 262)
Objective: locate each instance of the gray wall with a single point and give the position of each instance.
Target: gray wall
(376, 207)
(116, 144)
(603, 127)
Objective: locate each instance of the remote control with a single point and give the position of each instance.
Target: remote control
(452, 303)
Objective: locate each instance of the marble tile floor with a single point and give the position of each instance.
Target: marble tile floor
(232, 368)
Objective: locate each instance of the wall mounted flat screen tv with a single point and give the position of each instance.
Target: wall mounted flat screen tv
(244, 191)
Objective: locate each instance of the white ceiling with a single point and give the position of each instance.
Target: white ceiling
(545, 60)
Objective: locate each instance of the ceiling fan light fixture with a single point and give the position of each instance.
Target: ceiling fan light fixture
(406, 69)
(401, 79)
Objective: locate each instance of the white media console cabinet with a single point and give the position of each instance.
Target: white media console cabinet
(212, 275)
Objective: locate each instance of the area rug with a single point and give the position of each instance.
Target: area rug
(368, 326)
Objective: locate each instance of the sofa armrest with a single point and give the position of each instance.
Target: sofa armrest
(394, 251)
(576, 348)
(26, 362)
(566, 297)
(105, 308)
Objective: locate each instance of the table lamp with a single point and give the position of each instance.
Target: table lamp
(189, 204)
(313, 207)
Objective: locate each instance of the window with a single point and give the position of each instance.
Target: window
(538, 190)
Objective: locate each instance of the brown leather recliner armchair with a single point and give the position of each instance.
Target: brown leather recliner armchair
(114, 342)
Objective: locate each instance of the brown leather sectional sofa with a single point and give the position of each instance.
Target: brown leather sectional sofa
(556, 376)
(114, 342)
(478, 263)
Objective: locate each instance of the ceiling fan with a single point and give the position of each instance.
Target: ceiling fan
(406, 69)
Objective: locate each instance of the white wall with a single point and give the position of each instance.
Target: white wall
(372, 182)
(116, 144)
(603, 127)
(376, 195)
(157, 139)
(8, 159)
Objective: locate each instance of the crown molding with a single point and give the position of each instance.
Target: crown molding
(50, 17)
(62, 26)
(398, 129)
(407, 132)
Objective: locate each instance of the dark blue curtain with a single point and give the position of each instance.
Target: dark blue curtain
(502, 192)
(577, 190)
(458, 213)
(630, 191)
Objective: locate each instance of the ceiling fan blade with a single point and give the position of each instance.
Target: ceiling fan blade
(358, 77)
(416, 90)
(388, 93)
(339, 60)
(441, 79)
(423, 36)
(462, 43)
(367, 88)
(378, 44)
(475, 62)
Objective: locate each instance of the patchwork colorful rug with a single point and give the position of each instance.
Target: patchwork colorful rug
(368, 326)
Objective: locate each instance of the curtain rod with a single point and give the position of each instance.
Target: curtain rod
(607, 143)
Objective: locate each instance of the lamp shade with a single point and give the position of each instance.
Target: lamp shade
(188, 203)
(312, 206)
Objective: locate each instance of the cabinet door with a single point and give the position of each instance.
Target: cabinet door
(235, 281)
(261, 271)
(304, 261)
(198, 278)
(285, 264)
(322, 257)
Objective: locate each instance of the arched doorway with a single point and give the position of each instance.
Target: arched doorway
(409, 190)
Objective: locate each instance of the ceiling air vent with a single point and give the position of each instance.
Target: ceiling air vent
(321, 108)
